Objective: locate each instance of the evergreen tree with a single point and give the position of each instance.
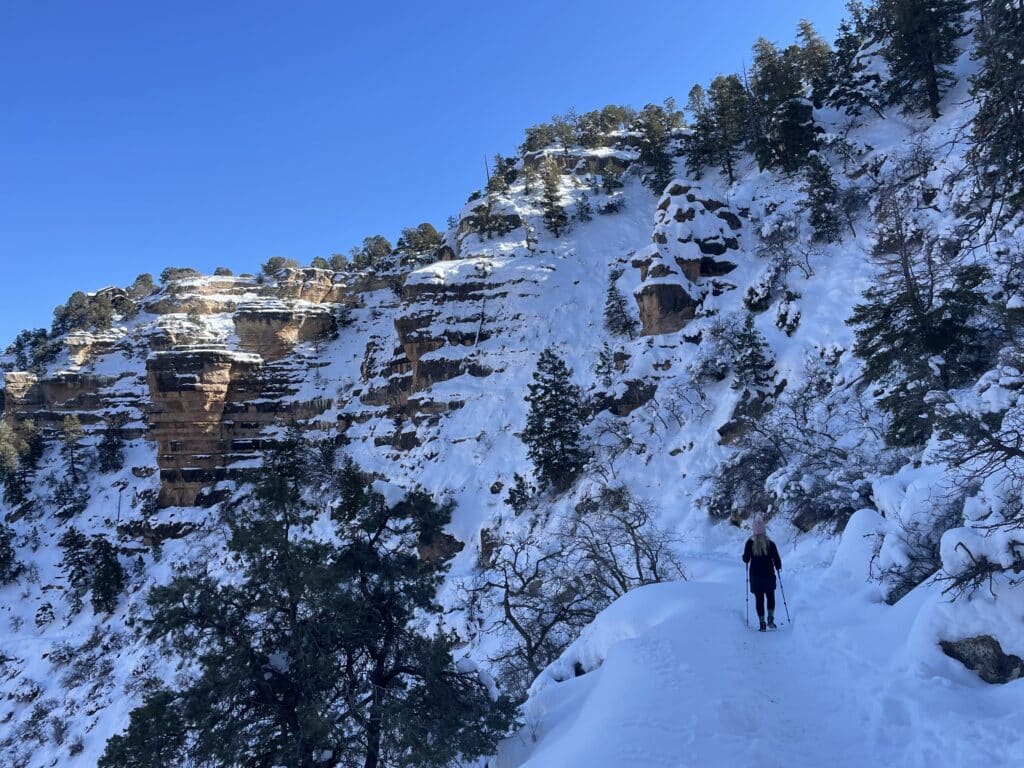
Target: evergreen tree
(319, 653)
(617, 319)
(142, 287)
(656, 125)
(110, 450)
(922, 324)
(854, 86)
(76, 564)
(815, 61)
(729, 108)
(71, 447)
(584, 211)
(417, 242)
(998, 86)
(107, 577)
(520, 494)
(699, 146)
(753, 366)
(555, 218)
(605, 366)
(610, 181)
(275, 264)
(781, 118)
(822, 199)
(12, 452)
(554, 425)
(920, 46)
(374, 253)
(9, 565)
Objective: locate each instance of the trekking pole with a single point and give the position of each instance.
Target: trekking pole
(784, 604)
(747, 593)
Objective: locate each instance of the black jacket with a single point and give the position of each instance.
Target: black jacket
(762, 574)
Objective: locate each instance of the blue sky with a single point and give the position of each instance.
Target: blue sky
(134, 136)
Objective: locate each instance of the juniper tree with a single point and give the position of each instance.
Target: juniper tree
(320, 652)
(555, 218)
(107, 577)
(554, 425)
(998, 125)
(617, 319)
(920, 46)
(372, 254)
(275, 264)
(822, 199)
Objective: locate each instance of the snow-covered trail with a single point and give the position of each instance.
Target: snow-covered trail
(676, 679)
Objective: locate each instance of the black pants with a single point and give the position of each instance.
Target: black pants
(759, 602)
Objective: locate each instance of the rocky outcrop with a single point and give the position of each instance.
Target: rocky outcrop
(677, 270)
(984, 655)
(273, 329)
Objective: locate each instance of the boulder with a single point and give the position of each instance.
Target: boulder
(984, 655)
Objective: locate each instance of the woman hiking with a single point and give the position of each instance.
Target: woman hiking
(763, 558)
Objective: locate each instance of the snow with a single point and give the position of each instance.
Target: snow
(674, 677)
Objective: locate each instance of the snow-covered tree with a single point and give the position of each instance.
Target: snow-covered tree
(617, 318)
(555, 217)
(554, 425)
(822, 199)
(920, 45)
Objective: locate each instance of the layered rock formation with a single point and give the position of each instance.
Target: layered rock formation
(692, 234)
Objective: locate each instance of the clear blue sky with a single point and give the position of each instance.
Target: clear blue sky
(137, 135)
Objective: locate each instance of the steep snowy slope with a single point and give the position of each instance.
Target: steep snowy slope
(419, 372)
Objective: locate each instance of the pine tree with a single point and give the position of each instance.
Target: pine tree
(71, 447)
(107, 580)
(76, 565)
(110, 450)
(554, 425)
(610, 181)
(656, 125)
(815, 61)
(922, 325)
(921, 45)
(584, 211)
(520, 494)
(753, 366)
(998, 127)
(319, 652)
(822, 199)
(617, 319)
(854, 86)
(781, 121)
(605, 366)
(730, 105)
(555, 218)
(699, 146)
(10, 568)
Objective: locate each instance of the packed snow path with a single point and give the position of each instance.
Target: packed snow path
(676, 679)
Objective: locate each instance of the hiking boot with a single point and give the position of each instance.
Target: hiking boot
(762, 629)
(771, 622)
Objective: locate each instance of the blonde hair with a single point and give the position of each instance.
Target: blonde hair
(759, 544)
